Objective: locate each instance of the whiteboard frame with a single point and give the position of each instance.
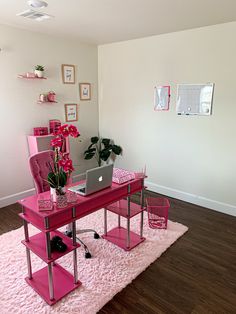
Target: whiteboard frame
(188, 112)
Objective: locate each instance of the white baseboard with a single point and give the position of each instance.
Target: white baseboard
(13, 198)
(192, 198)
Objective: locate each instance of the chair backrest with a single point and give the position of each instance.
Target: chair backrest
(39, 169)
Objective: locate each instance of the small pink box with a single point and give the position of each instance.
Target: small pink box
(54, 125)
(41, 131)
(44, 204)
(30, 74)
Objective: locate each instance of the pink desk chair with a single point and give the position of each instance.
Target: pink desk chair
(38, 164)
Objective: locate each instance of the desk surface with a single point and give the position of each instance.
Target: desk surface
(85, 205)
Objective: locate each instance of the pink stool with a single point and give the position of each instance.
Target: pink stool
(157, 209)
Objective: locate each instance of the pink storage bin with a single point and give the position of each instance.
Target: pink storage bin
(54, 125)
(121, 176)
(157, 209)
(41, 131)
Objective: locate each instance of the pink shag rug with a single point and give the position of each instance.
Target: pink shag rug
(107, 273)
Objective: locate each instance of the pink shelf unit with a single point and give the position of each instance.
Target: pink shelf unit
(24, 76)
(39, 143)
(120, 236)
(37, 244)
(63, 283)
(120, 208)
(45, 102)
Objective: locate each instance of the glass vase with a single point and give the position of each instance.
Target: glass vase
(61, 200)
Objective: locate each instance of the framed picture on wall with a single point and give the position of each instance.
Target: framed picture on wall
(68, 73)
(85, 91)
(161, 98)
(71, 112)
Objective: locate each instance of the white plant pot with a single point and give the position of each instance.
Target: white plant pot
(53, 193)
(39, 73)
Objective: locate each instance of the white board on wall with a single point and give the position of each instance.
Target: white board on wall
(194, 99)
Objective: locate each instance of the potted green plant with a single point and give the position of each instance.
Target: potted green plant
(39, 70)
(102, 149)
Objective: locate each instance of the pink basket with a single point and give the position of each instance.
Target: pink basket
(157, 208)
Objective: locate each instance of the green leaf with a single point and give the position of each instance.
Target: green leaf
(94, 139)
(105, 154)
(91, 150)
(106, 142)
(52, 179)
(89, 156)
(116, 149)
(90, 146)
(62, 178)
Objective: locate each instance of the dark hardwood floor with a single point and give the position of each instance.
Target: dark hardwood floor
(195, 275)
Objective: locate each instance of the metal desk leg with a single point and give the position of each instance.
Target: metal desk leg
(29, 263)
(26, 230)
(128, 233)
(74, 252)
(50, 282)
(118, 221)
(142, 206)
(141, 225)
(142, 195)
(48, 245)
(128, 218)
(105, 221)
(50, 276)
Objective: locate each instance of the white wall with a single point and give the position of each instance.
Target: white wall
(191, 158)
(18, 101)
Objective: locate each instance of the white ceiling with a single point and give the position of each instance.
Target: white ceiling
(104, 21)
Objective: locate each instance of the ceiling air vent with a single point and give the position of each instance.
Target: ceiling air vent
(34, 15)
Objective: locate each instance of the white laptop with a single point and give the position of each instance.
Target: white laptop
(96, 179)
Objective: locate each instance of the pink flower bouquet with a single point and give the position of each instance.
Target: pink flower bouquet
(62, 166)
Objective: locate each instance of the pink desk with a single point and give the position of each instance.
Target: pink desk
(53, 282)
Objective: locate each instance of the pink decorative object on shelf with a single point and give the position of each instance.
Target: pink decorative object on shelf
(41, 131)
(54, 125)
(25, 76)
(30, 74)
(120, 175)
(51, 96)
